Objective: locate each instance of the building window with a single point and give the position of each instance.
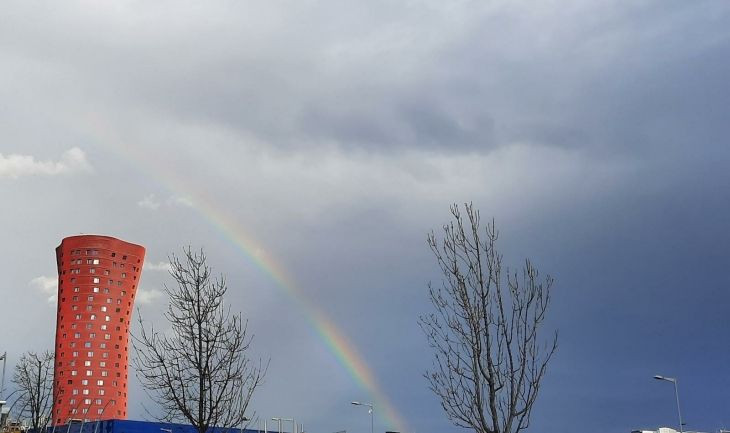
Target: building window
(84, 381)
(93, 317)
(75, 391)
(74, 354)
(74, 372)
(90, 298)
(100, 382)
(76, 289)
(90, 354)
(96, 290)
(87, 363)
(89, 372)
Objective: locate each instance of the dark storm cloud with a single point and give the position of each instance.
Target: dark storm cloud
(338, 133)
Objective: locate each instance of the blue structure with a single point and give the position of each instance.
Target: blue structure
(127, 426)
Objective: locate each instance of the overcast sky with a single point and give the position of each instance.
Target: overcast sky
(335, 134)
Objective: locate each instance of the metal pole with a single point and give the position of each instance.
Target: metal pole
(279, 421)
(679, 412)
(372, 414)
(2, 382)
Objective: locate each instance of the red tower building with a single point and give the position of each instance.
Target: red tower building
(97, 280)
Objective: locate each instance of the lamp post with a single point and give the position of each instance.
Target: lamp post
(4, 357)
(371, 409)
(98, 418)
(676, 394)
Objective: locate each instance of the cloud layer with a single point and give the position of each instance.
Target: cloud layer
(333, 135)
(48, 286)
(72, 161)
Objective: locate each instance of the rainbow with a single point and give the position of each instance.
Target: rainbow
(253, 251)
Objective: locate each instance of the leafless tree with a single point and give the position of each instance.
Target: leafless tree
(198, 372)
(33, 395)
(489, 360)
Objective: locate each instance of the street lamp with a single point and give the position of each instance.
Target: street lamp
(4, 358)
(676, 394)
(280, 420)
(371, 409)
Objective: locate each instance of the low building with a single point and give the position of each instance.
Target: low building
(127, 426)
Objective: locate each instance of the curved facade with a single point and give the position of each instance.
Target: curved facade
(97, 282)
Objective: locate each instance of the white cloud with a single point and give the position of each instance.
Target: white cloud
(149, 202)
(180, 201)
(159, 266)
(148, 296)
(15, 165)
(46, 285)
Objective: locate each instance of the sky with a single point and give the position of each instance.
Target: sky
(310, 146)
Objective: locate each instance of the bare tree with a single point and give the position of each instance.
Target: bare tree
(198, 372)
(489, 361)
(33, 395)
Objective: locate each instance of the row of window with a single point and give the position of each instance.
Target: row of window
(102, 364)
(96, 280)
(99, 382)
(93, 317)
(90, 353)
(94, 253)
(97, 262)
(85, 382)
(93, 271)
(92, 335)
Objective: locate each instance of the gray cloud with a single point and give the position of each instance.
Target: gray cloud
(335, 135)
